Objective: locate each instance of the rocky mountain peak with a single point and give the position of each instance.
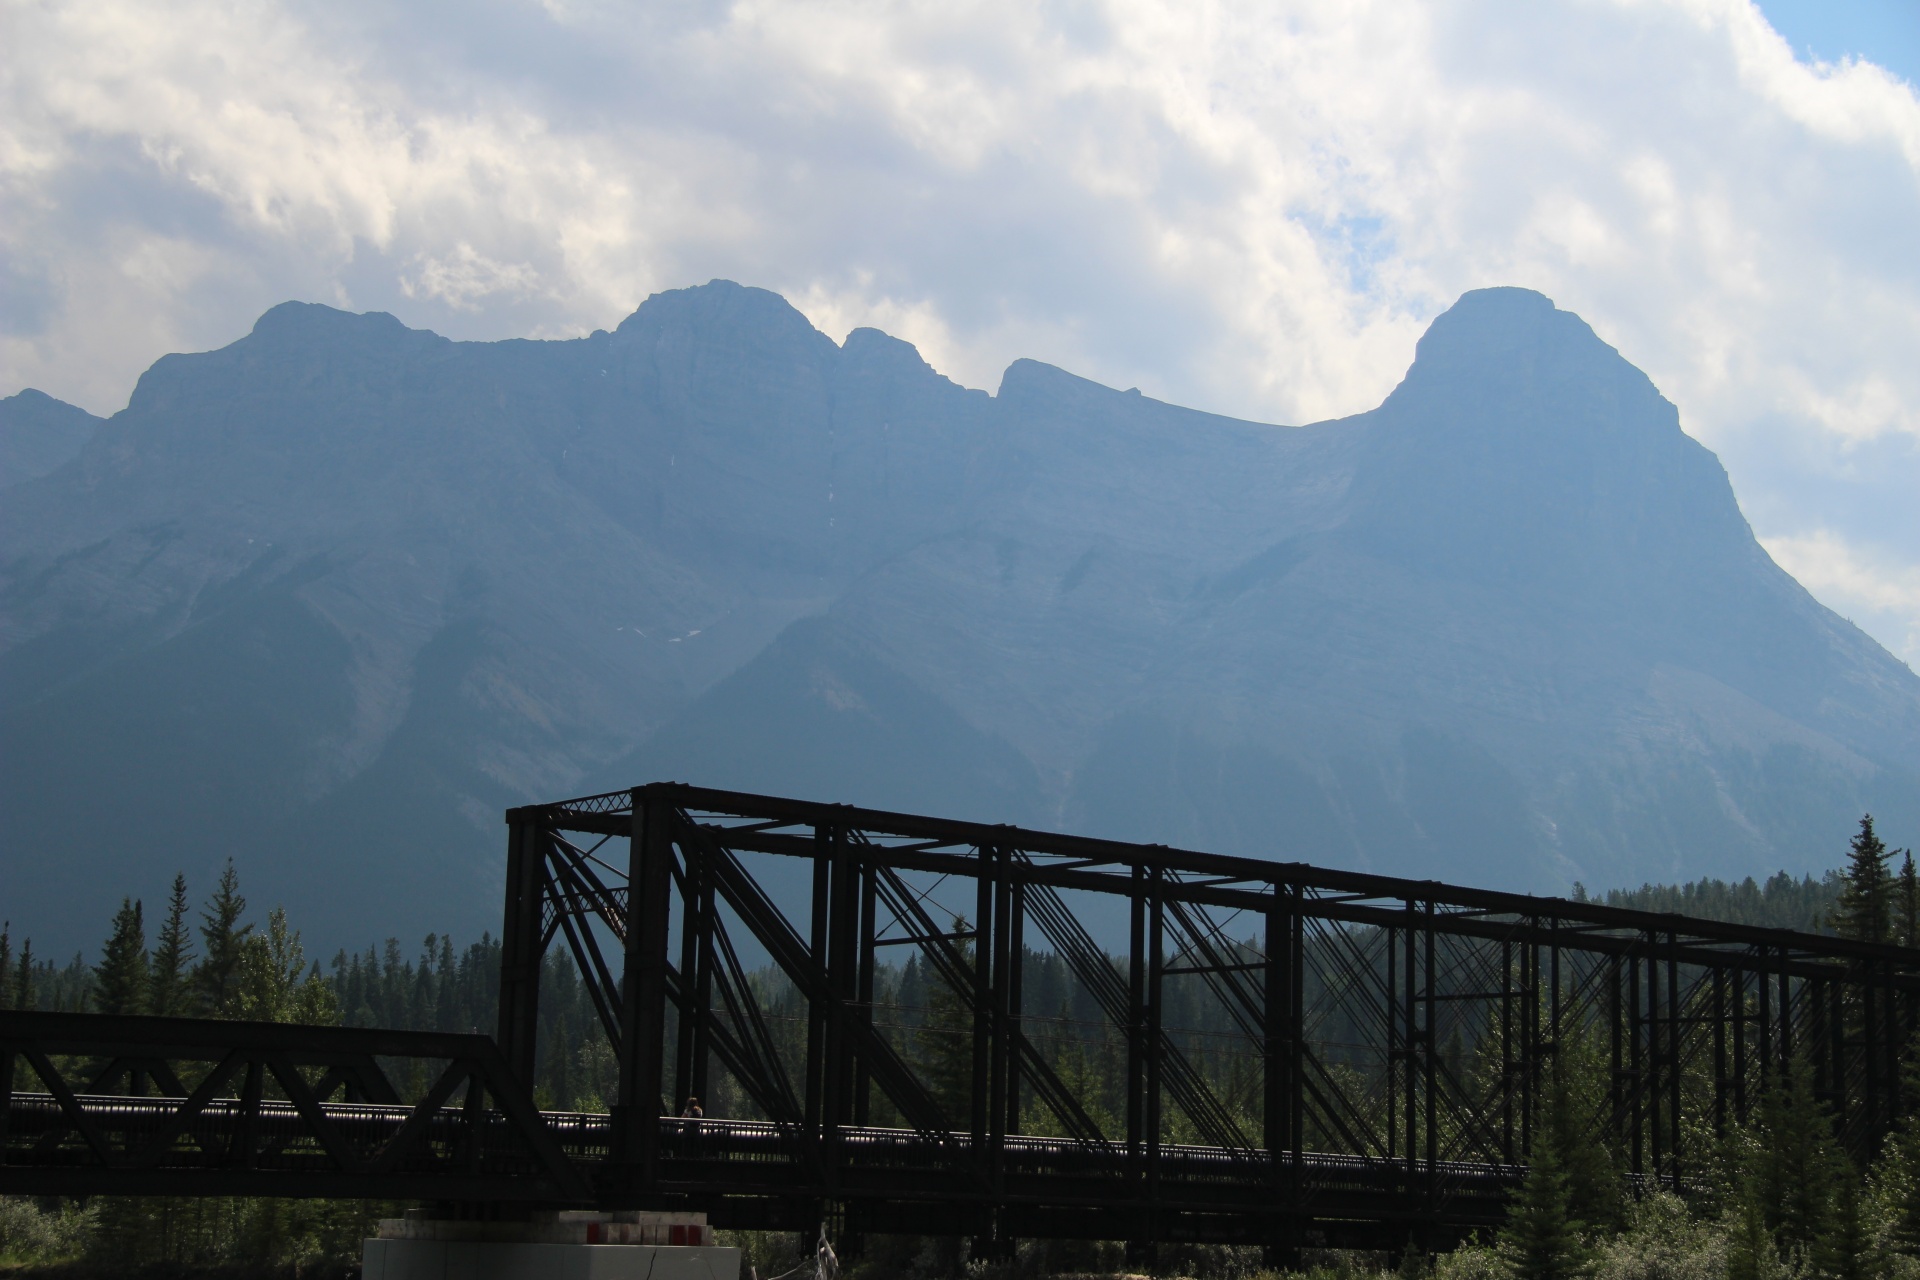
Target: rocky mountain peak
(333, 596)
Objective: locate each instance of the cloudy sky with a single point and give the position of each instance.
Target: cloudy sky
(1250, 206)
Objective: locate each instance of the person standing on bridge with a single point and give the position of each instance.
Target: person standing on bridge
(690, 1117)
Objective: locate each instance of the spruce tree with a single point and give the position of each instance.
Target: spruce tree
(168, 992)
(6, 964)
(216, 977)
(23, 977)
(1864, 912)
(1751, 1254)
(1899, 1169)
(1796, 1160)
(1592, 1177)
(1542, 1239)
(944, 1040)
(1844, 1250)
(120, 979)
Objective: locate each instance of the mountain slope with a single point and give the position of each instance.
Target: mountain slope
(328, 599)
(38, 434)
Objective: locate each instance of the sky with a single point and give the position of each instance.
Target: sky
(1249, 206)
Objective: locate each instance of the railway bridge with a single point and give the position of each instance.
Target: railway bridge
(1295, 1055)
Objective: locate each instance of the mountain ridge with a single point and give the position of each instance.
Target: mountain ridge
(330, 598)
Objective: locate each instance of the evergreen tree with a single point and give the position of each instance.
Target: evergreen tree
(215, 977)
(1899, 1171)
(167, 991)
(1796, 1169)
(23, 977)
(1542, 1239)
(1844, 1250)
(1864, 912)
(120, 979)
(1751, 1254)
(944, 1040)
(1593, 1178)
(6, 964)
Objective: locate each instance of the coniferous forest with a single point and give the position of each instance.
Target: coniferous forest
(1780, 1198)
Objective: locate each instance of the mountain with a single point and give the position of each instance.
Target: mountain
(38, 434)
(326, 600)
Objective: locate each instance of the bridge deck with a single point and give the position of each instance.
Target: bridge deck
(748, 1173)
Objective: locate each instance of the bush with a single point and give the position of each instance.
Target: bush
(30, 1234)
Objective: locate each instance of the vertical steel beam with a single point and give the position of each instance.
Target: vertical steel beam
(1015, 933)
(1000, 1049)
(521, 945)
(1276, 1026)
(1396, 1047)
(1676, 1028)
(703, 993)
(1764, 1030)
(1637, 1067)
(818, 1013)
(1837, 1055)
(1155, 1010)
(981, 999)
(843, 982)
(1618, 1122)
(869, 930)
(1410, 1022)
(1742, 1052)
(1720, 1082)
(1137, 1024)
(1529, 1042)
(1429, 1052)
(1507, 1072)
(1297, 1065)
(644, 988)
(1786, 1039)
(688, 1019)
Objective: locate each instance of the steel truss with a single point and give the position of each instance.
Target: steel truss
(1403, 1039)
(1377, 1059)
(183, 1106)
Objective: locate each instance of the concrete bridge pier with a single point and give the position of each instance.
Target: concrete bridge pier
(632, 1245)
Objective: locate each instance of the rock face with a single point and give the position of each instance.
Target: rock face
(38, 434)
(327, 600)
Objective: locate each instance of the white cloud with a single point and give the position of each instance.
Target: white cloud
(1252, 206)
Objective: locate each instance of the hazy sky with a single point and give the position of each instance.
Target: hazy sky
(1248, 207)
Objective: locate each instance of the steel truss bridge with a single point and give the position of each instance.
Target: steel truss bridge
(1294, 1055)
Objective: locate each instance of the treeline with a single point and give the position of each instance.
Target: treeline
(216, 965)
(223, 968)
(1780, 1197)
(1779, 902)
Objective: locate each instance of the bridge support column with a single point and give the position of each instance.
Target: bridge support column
(1282, 1065)
(636, 1117)
(521, 949)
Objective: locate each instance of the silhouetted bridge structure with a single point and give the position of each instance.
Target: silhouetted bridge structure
(1298, 1055)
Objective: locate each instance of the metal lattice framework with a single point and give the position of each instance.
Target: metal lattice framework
(1390, 1045)
(185, 1106)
